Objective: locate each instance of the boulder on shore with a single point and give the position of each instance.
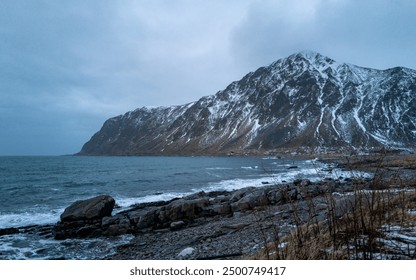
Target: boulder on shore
(89, 209)
(83, 218)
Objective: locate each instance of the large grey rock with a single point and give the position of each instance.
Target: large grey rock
(121, 227)
(89, 209)
(184, 209)
(237, 195)
(221, 209)
(275, 196)
(302, 182)
(148, 219)
(257, 198)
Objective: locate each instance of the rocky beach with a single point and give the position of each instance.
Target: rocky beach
(203, 225)
(253, 222)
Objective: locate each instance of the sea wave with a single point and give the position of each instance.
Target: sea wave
(29, 218)
(312, 174)
(24, 246)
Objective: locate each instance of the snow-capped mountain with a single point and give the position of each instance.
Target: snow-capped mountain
(306, 102)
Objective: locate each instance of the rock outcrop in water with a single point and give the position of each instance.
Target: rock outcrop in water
(306, 102)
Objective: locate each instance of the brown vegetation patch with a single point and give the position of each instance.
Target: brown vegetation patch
(373, 222)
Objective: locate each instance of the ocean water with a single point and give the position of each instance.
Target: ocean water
(36, 190)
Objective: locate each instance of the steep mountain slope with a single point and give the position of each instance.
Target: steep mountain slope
(305, 102)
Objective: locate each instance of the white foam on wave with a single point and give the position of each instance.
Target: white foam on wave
(218, 168)
(29, 218)
(15, 248)
(312, 174)
(27, 246)
(235, 184)
(249, 167)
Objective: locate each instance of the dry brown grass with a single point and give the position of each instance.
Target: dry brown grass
(377, 221)
(360, 233)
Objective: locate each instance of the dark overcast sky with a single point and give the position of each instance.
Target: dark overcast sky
(67, 66)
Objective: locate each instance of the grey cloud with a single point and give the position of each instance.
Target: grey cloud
(370, 33)
(67, 66)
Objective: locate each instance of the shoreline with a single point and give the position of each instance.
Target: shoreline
(248, 234)
(222, 224)
(215, 179)
(238, 224)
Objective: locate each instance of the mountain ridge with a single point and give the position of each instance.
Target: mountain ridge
(306, 102)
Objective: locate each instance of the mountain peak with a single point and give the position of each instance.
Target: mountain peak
(309, 54)
(312, 56)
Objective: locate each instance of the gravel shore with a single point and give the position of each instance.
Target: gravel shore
(233, 237)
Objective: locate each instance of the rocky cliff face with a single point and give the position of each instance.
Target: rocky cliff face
(305, 102)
